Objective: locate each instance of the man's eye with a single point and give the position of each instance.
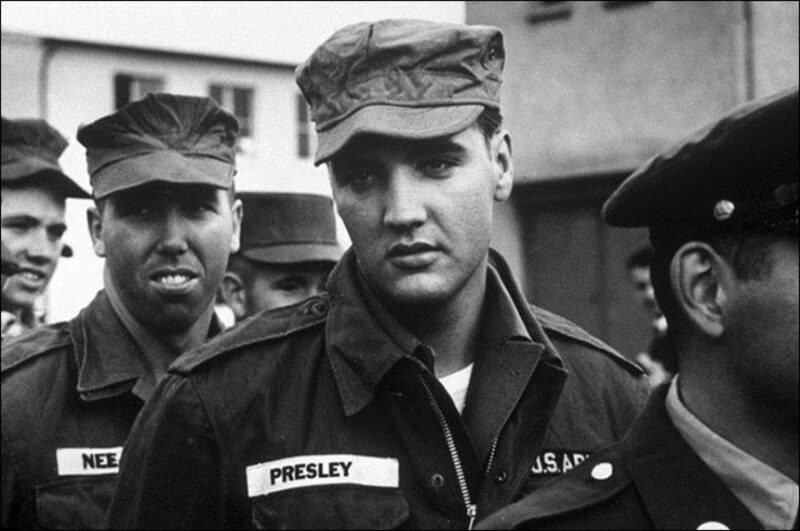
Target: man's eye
(290, 285)
(56, 232)
(198, 208)
(18, 227)
(359, 179)
(437, 166)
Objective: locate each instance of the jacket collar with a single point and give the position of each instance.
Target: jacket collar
(361, 351)
(668, 474)
(109, 360)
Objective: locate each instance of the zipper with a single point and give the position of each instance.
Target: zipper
(472, 509)
(490, 461)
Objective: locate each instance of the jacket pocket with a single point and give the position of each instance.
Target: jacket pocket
(75, 503)
(331, 507)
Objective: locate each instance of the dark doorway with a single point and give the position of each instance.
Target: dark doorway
(575, 264)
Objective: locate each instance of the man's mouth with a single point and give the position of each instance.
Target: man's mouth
(31, 274)
(174, 282)
(412, 255)
(31, 277)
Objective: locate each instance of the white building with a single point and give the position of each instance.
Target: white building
(69, 83)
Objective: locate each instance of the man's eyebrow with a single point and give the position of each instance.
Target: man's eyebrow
(20, 218)
(438, 145)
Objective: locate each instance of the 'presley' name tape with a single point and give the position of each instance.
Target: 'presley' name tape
(314, 470)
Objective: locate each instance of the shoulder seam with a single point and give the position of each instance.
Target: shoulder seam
(564, 327)
(206, 352)
(6, 366)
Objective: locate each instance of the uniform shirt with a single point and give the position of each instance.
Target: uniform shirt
(70, 394)
(327, 414)
(769, 494)
(652, 479)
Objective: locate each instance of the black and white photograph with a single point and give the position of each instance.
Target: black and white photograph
(400, 265)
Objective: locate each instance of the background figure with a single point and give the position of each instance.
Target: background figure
(165, 222)
(34, 193)
(288, 249)
(717, 448)
(658, 360)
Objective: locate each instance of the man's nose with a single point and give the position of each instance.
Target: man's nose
(172, 237)
(42, 249)
(405, 201)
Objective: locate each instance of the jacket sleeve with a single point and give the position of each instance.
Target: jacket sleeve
(170, 473)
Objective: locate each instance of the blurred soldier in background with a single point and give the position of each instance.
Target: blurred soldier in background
(165, 221)
(717, 448)
(288, 249)
(423, 391)
(34, 193)
(658, 360)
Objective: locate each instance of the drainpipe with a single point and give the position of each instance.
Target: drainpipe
(748, 51)
(44, 77)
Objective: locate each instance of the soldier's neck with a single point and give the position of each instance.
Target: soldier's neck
(452, 328)
(768, 432)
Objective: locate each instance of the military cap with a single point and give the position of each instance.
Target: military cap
(403, 78)
(162, 137)
(282, 228)
(30, 152)
(739, 173)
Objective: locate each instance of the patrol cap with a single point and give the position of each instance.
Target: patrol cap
(30, 152)
(404, 78)
(162, 137)
(738, 173)
(283, 228)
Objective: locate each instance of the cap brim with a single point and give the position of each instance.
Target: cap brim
(45, 173)
(292, 253)
(412, 123)
(161, 166)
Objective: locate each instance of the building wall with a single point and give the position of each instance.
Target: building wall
(19, 76)
(776, 44)
(603, 89)
(77, 86)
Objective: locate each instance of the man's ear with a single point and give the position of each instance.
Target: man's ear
(237, 211)
(701, 281)
(500, 151)
(94, 221)
(233, 293)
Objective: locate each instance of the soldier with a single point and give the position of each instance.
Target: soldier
(288, 250)
(423, 391)
(34, 193)
(717, 448)
(658, 361)
(165, 221)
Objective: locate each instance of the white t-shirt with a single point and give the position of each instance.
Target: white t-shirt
(456, 385)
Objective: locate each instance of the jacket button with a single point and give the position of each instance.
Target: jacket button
(437, 481)
(602, 471)
(712, 525)
(501, 477)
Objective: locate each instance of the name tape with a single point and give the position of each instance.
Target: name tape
(314, 470)
(88, 461)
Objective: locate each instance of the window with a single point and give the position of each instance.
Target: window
(130, 87)
(303, 128)
(237, 101)
(547, 11)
